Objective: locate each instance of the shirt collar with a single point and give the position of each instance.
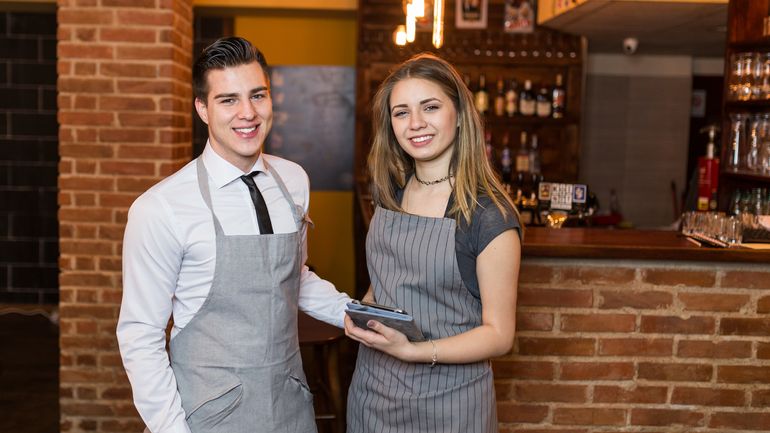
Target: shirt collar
(221, 171)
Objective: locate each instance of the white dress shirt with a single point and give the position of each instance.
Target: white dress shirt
(169, 256)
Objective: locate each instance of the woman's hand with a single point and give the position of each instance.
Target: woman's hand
(382, 338)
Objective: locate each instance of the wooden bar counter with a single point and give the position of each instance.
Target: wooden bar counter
(629, 244)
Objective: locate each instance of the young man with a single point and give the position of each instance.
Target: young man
(220, 246)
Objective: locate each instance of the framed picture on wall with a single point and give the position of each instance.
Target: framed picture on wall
(519, 16)
(471, 14)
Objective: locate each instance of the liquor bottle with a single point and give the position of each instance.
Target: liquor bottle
(527, 198)
(500, 98)
(488, 148)
(543, 104)
(482, 97)
(467, 81)
(708, 174)
(517, 191)
(527, 100)
(522, 155)
(558, 99)
(505, 163)
(534, 156)
(512, 99)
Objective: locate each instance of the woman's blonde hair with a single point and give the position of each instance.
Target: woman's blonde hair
(390, 166)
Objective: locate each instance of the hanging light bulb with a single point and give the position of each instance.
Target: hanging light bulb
(411, 23)
(418, 7)
(438, 23)
(399, 36)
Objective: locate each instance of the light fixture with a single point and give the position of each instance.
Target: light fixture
(438, 23)
(399, 36)
(411, 23)
(415, 12)
(418, 7)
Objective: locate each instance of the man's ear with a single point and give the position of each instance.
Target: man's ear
(200, 107)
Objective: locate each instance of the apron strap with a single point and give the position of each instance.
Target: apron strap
(203, 185)
(296, 210)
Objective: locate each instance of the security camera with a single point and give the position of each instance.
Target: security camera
(630, 45)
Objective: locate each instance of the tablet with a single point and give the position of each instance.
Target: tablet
(400, 320)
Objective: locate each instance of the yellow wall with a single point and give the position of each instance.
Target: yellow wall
(314, 38)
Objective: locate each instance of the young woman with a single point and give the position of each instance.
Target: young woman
(444, 245)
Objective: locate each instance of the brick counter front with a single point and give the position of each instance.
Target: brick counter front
(611, 346)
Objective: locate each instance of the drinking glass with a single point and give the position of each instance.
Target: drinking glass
(756, 76)
(736, 76)
(764, 92)
(688, 222)
(751, 158)
(747, 80)
(732, 231)
(763, 164)
(737, 139)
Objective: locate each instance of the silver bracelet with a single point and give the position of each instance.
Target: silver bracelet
(434, 357)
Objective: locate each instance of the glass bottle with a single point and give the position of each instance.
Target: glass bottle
(500, 98)
(482, 97)
(506, 163)
(534, 156)
(744, 205)
(522, 155)
(512, 99)
(488, 148)
(543, 103)
(763, 164)
(558, 98)
(766, 208)
(756, 201)
(751, 159)
(735, 203)
(527, 100)
(736, 143)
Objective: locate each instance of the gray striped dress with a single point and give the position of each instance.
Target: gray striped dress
(412, 265)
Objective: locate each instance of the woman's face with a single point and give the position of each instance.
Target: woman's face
(424, 119)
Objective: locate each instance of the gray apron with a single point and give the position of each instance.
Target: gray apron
(413, 265)
(237, 363)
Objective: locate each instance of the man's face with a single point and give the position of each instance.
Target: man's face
(238, 111)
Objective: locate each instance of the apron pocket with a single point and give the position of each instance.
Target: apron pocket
(297, 383)
(213, 411)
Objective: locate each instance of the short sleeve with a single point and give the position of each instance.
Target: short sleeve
(488, 223)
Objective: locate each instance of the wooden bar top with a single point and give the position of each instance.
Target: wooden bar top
(629, 244)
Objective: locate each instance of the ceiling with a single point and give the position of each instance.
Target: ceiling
(662, 27)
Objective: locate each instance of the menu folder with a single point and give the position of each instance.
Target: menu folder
(400, 320)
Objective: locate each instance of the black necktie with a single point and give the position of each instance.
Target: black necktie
(263, 217)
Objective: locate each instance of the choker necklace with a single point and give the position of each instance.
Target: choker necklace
(432, 182)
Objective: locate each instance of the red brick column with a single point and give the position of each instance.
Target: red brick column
(125, 123)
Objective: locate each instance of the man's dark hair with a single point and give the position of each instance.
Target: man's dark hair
(224, 53)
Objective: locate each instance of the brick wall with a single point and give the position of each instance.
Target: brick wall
(617, 346)
(125, 120)
(29, 245)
